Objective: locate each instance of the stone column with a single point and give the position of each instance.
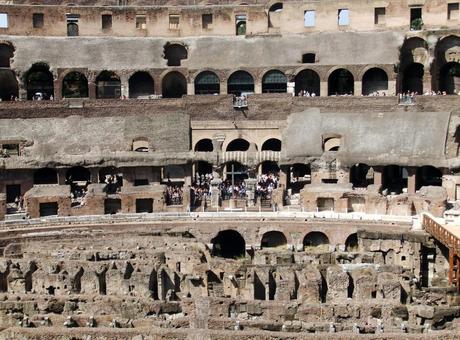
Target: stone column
(124, 84)
(215, 192)
(391, 88)
(257, 87)
(411, 180)
(323, 88)
(378, 178)
(358, 88)
(94, 175)
(291, 88)
(61, 176)
(190, 88)
(223, 87)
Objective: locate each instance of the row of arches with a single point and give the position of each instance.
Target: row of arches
(174, 85)
(239, 144)
(231, 244)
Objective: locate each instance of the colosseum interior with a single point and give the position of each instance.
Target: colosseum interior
(200, 170)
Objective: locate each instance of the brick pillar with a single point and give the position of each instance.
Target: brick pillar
(426, 80)
(411, 180)
(57, 89)
(223, 87)
(91, 90)
(323, 89)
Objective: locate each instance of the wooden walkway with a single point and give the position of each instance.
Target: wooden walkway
(448, 235)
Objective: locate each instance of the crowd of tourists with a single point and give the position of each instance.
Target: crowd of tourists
(266, 183)
(304, 93)
(201, 189)
(78, 195)
(232, 191)
(173, 194)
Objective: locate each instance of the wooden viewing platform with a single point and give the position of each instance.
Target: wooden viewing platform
(448, 235)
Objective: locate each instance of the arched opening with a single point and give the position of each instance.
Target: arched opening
(240, 83)
(267, 181)
(74, 85)
(228, 244)
(204, 145)
(45, 176)
(273, 239)
(315, 239)
(238, 144)
(6, 53)
(141, 144)
(413, 78)
(331, 144)
(272, 144)
(449, 78)
(174, 85)
(374, 80)
(274, 14)
(174, 53)
(428, 176)
(207, 82)
(141, 85)
(359, 175)
(39, 82)
(351, 243)
(9, 89)
(341, 82)
(274, 82)
(108, 85)
(394, 179)
(307, 83)
(72, 29)
(112, 177)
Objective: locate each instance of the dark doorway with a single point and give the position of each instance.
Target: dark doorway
(141, 85)
(74, 85)
(112, 206)
(207, 82)
(108, 85)
(48, 209)
(8, 85)
(307, 81)
(274, 82)
(341, 82)
(39, 82)
(240, 82)
(449, 78)
(144, 205)
(413, 78)
(45, 176)
(228, 244)
(174, 85)
(374, 80)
